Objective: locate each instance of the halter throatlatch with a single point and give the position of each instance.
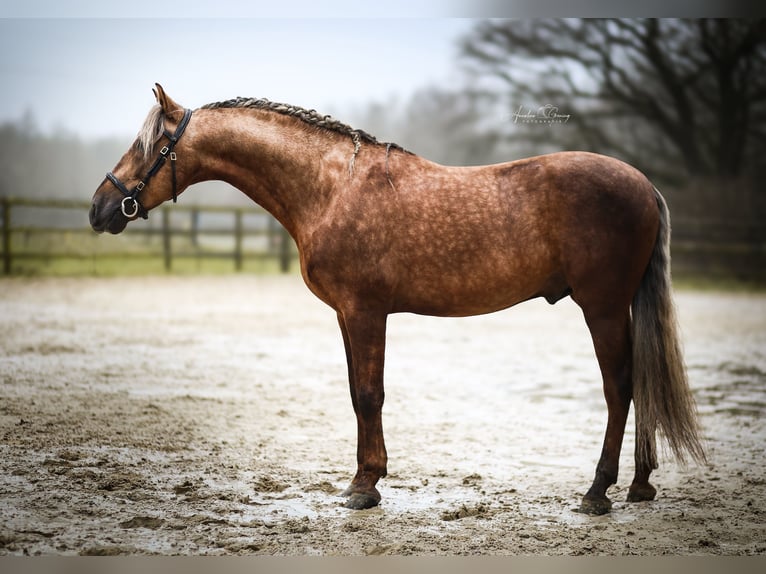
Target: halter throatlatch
(130, 206)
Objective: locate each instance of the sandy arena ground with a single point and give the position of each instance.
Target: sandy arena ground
(211, 416)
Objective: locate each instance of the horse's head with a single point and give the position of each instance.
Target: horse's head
(140, 181)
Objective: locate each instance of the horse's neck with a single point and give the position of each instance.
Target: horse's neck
(271, 158)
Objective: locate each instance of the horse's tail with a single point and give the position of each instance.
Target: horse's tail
(661, 393)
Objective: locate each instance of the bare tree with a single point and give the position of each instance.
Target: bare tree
(670, 93)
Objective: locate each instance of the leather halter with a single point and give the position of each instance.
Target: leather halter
(131, 207)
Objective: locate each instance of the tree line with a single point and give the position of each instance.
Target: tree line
(682, 100)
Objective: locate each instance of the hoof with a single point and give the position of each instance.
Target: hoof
(595, 506)
(362, 500)
(348, 492)
(641, 492)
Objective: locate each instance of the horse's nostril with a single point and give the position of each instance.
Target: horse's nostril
(97, 225)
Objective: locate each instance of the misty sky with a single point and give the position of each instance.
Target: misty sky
(84, 66)
(94, 76)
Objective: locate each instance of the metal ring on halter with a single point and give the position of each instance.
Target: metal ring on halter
(135, 207)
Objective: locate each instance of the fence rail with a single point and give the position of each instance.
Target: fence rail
(32, 230)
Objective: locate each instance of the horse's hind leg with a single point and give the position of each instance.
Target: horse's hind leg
(364, 337)
(640, 490)
(611, 339)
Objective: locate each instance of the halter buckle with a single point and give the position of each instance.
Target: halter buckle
(125, 211)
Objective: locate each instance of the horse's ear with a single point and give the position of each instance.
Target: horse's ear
(165, 101)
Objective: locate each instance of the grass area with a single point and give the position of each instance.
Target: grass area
(69, 253)
(134, 264)
(730, 284)
(142, 265)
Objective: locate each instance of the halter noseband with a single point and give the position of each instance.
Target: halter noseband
(131, 207)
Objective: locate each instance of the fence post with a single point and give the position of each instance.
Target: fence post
(238, 239)
(284, 251)
(6, 235)
(166, 238)
(273, 232)
(194, 226)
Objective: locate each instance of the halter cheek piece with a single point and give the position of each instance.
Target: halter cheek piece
(131, 207)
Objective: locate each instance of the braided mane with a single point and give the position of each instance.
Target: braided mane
(310, 117)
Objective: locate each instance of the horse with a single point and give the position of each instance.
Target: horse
(380, 230)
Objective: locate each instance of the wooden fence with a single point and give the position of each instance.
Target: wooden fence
(36, 233)
(43, 230)
(719, 249)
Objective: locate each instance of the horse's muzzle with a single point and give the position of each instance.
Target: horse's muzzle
(107, 217)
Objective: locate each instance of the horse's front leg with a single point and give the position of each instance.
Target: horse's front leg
(364, 336)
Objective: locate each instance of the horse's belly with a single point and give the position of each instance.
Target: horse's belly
(470, 293)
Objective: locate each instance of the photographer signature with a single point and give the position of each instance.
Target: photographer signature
(547, 114)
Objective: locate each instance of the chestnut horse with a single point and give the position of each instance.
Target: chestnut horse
(380, 230)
